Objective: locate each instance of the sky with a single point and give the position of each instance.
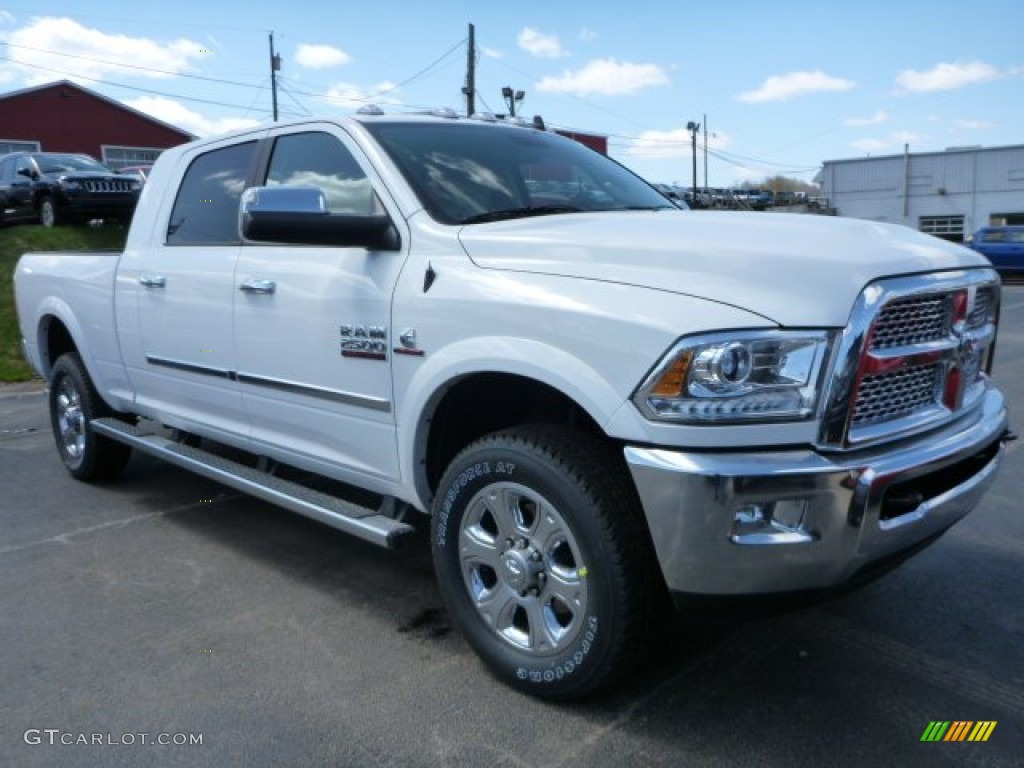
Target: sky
(778, 87)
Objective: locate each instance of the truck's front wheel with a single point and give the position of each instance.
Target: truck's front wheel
(74, 404)
(543, 559)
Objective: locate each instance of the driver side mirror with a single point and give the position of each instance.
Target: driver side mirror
(299, 215)
(28, 173)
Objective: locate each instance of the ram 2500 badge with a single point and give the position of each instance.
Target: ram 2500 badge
(600, 400)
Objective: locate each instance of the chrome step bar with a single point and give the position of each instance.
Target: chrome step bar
(365, 522)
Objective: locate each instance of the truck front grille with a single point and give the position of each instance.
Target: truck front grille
(913, 320)
(915, 355)
(894, 395)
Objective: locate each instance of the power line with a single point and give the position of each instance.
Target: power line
(126, 66)
(122, 85)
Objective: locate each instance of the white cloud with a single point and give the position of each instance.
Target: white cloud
(491, 53)
(905, 137)
(540, 45)
(6, 17)
(320, 56)
(869, 145)
(895, 140)
(177, 114)
(605, 76)
(98, 53)
(972, 125)
(587, 35)
(355, 96)
(672, 143)
(785, 87)
(875, 119)
(946, 76)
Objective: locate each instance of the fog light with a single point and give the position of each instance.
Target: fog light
(752, 515)
(789, 515)
(771, 522)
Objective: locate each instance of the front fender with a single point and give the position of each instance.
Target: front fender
(526, 358)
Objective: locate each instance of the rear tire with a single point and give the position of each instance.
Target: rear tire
(544, 560)
(74, 405)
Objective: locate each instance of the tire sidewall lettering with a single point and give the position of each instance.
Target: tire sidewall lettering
(575, 659)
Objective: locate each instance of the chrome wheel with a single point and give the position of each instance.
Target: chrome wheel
(70, 419)
(523, 568)
(47, 213)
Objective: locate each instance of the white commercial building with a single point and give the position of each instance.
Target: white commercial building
(950, 194)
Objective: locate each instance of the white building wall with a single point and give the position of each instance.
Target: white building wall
(978, 184)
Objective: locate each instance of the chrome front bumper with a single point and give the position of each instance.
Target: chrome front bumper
(782, 521)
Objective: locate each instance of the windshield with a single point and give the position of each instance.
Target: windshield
(467, 173)
(68, 164)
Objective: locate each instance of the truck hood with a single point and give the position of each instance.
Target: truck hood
(793, 269)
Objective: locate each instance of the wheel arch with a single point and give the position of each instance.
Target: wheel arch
(57, 334)
(454, 406)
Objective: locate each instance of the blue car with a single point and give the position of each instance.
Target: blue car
(1004, 247)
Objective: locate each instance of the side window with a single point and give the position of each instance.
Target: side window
(320, 160)
(23, 164)
(206, 209)
(7, 169)
(994, 236)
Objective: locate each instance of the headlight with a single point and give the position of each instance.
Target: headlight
(737, 376)
(71, 186)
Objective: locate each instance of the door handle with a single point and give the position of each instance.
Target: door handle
(153, 281)
(258, 286)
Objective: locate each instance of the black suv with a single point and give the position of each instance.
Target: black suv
(52, 187)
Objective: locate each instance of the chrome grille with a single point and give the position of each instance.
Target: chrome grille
(112, 185)
(984, 308)
(885, 396)
(914, 356)
(914, 320)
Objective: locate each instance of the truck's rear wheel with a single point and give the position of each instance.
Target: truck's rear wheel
(543, 559)
(74, 404)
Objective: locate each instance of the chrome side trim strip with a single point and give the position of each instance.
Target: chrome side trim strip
(334, 395)
(178, 365)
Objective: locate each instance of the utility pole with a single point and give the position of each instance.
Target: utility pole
(275, 65)
(693, 127)
(470, 88)
(705, 154)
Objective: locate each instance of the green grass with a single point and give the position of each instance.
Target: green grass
(14, 241)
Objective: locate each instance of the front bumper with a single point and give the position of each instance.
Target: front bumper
(853, 509)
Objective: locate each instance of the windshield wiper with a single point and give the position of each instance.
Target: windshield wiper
(519, 213)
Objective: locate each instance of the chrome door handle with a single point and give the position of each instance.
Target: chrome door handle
(258, 286)
(153, 281)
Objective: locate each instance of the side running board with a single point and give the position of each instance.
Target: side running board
(365, 522)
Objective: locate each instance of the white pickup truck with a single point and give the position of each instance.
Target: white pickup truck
(600, 400)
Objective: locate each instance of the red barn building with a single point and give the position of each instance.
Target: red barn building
(64, 117)
(595, 141)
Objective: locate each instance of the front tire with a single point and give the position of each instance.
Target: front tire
(47, 212)
(74, 405)
(544, 560)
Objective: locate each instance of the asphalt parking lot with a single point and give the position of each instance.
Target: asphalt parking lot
(168, 606)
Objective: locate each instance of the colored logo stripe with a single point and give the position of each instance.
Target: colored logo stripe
(982, 730)
(958, 730)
